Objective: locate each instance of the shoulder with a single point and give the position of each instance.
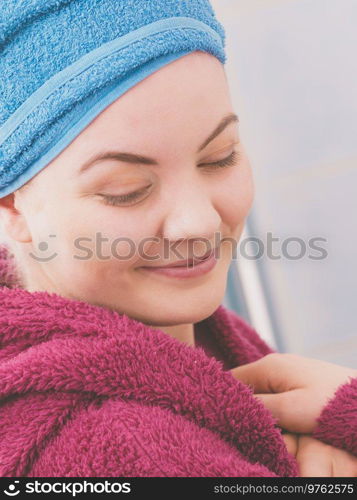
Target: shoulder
(127, 438)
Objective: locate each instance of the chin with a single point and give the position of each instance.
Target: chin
(182, 314)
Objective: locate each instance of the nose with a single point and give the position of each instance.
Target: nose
(191, 214)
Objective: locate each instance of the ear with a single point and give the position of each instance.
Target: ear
(13, 219)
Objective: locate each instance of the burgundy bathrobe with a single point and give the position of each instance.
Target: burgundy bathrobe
(88, 392)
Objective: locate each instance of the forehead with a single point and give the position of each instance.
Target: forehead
(174, 109)
(188, 90)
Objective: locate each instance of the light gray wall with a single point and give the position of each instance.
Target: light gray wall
(293, 71)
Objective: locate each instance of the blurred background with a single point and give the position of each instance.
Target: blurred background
(292, 68)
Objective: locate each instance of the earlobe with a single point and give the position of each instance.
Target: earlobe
(13, 221)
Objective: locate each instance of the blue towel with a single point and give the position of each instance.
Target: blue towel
(63, 61)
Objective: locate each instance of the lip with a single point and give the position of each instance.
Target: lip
(182, 269)
(187, 262)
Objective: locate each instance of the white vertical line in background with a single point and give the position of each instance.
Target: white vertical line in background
(255, 299)
(228, 10)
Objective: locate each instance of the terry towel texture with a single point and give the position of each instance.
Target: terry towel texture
(63, 61)
(88, 392)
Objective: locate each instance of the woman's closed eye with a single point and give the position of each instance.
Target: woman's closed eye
(125, 198)
(114, 200)
(231, 160)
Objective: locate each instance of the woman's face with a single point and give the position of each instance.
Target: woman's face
(89, 244)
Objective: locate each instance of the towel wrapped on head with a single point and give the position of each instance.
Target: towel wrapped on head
(62, 62)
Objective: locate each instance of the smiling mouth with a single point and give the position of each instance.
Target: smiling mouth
(186, 263)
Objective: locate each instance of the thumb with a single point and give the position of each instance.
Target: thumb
(255, 374)
(290, 409)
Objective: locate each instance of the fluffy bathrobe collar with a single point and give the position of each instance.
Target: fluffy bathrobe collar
(63, 362)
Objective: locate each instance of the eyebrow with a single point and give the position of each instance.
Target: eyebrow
(146, 160)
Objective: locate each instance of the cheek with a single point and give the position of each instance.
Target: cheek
(236, 195)
(104, 232)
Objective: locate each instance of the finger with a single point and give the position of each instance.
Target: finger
(313, 453)
(291, 410)
(291, 442)
(272, 373)
(254, 375)
(314, 458)
(344, 463)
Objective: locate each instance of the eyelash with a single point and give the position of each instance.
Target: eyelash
(226, 162)
(231, 160)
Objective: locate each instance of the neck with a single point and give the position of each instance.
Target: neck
(183, 333)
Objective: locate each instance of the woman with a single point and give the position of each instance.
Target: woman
(122, 141)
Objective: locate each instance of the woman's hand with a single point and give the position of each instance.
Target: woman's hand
(317, 459)
(294, 388)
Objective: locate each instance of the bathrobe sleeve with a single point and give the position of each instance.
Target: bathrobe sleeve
(337, 423)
